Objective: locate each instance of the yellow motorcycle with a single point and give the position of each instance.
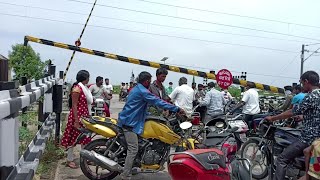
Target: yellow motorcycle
(104, 158)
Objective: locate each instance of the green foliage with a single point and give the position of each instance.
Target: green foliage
(49, 159)
(26, 62)
(235, 92)
(116, 89)
(26, 134)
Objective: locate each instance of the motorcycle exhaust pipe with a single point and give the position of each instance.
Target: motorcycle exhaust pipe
(101, 160)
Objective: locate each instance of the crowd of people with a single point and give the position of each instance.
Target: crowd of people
(302, 101)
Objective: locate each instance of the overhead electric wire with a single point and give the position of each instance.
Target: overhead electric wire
(229, 14)
(316, 51)
(154, 24)
(312, 44)
(201, 21)
(156, 34)
(284, 67)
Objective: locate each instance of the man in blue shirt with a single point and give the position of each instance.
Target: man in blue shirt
(133, 115)
(297, 99)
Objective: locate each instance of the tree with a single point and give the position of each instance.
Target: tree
(26, 62)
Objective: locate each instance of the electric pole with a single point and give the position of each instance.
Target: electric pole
(302, 60)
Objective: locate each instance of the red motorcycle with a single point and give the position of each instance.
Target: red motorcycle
(216, 160)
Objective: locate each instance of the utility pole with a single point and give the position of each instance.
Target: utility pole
(302, 60)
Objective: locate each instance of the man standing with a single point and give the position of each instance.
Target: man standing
(109, 89)
(250, 104)
(183, 96)
(159, 90)
(130, 87)
(310, 109)
(99, 91)
(133, 115)
(214, 101)
(157, 87)
(169, 88)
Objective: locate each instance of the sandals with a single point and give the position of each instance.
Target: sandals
(72, 165)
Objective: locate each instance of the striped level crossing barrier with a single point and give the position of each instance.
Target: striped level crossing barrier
(148, 63)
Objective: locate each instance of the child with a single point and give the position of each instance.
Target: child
(312, 156)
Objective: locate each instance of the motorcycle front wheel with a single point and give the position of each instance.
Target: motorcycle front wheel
(251, 150)
(90, 169)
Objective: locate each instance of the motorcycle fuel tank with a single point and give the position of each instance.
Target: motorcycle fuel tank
(160, 131)
(102, 130)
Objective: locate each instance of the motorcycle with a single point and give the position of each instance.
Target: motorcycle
(216, 159)
(100, 108)
(109, 153)
(272, 142)
(222, 123)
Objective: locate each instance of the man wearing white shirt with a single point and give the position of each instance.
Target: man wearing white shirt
(183, 96)
(109, 89)
(250, 104)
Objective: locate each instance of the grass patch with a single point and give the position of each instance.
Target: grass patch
(49, 160)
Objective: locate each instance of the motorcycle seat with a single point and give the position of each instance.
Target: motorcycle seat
(207, 158)
(293, 131)
(214, 139)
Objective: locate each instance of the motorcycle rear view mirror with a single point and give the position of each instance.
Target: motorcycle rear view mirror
(185, 125)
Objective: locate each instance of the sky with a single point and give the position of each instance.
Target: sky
(260, 37)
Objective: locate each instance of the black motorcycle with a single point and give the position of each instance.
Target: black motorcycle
(261, 151)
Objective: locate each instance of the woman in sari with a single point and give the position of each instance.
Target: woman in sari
(80, 105)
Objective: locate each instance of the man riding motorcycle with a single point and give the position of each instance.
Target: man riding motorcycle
(214, 101)
(250, 104)
(132, 117)
(310, 109)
